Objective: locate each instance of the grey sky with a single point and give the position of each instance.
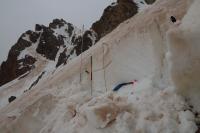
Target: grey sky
(17, 16)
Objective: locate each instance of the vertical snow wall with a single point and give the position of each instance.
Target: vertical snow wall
(184, 56)
(137, 49)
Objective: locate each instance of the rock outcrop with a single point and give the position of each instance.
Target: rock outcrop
(14, 67)
(12, 98)
(49, 44)
(150, 1)
(113, 15)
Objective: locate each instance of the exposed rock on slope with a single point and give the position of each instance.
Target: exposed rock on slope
(14, 67)
(89, 38)
(113, 15)
(49, 44)
(150, 1)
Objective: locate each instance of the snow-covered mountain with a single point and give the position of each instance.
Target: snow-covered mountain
(161, 57)
(59, 42)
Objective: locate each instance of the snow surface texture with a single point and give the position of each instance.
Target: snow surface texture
(184, 55)
(142, 48)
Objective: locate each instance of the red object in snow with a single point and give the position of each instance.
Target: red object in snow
(134, 81)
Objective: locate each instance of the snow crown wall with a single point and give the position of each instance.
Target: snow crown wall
(184, 49)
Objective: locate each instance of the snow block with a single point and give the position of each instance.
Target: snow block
(101, 115)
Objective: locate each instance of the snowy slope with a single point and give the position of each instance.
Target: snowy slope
(140, 49)
(43, 67)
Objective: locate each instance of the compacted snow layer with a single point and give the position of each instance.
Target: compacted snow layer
(139, 49)
(139, 108)
(184, 57)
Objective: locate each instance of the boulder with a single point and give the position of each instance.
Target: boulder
(12, 98)
(101, 115)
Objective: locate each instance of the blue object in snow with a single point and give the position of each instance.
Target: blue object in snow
(121, 85)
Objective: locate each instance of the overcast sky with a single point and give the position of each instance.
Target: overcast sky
(17, 16)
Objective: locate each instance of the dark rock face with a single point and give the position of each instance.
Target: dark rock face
(114, 15)
(38, 27)
(198, 131)
(80, 43)
(12, 98)
(87, 41)
(27, 64)
(37, 80)
(62, 58)
(12, 67)
(150, 1)
(33, 36)
(70, 29)
(57, 23)
(49, 44)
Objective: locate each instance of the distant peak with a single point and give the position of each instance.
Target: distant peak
(57, 23)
